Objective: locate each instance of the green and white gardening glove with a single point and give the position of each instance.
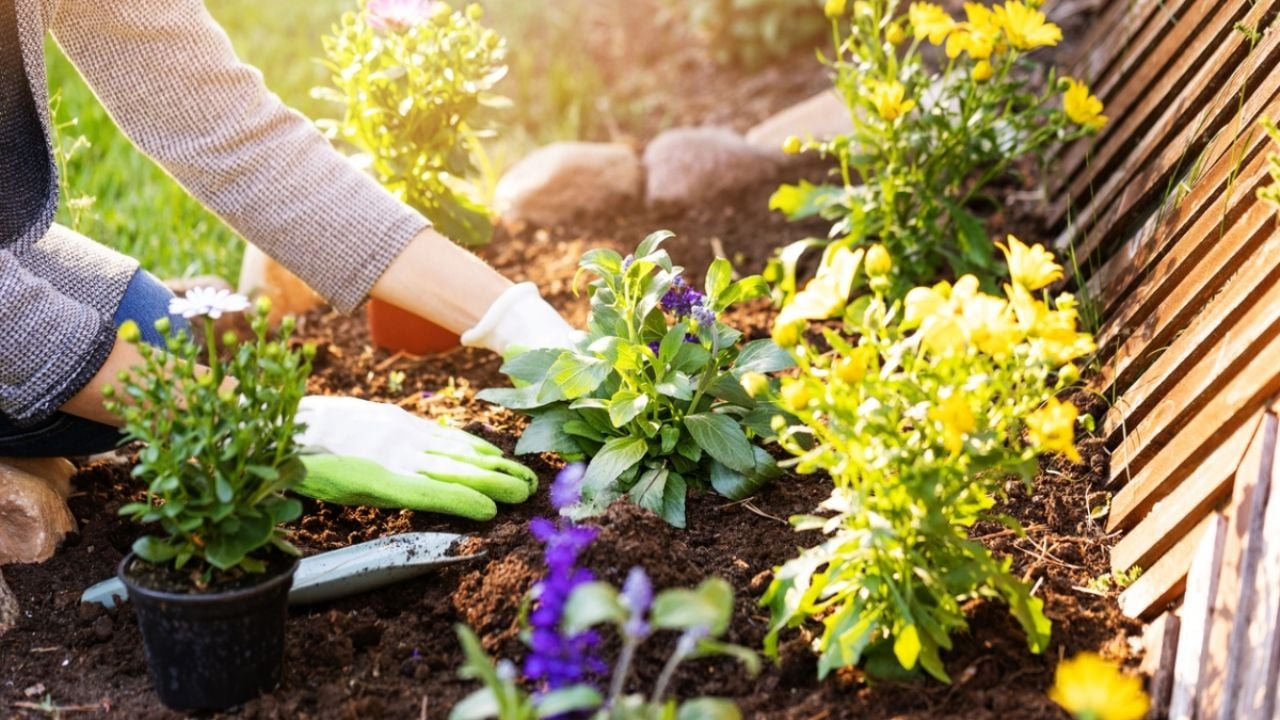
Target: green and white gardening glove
(520, 320)
(359, 452)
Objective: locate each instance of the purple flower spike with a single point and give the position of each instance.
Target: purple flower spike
(638, 592)
(556, 660)
(703, 315)
(566, 491)
(680, 299)
(655, 346)
(627, 262)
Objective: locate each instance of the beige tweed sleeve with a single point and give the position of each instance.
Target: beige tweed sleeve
(169, 77)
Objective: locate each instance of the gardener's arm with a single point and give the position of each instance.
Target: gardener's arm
(170, 78)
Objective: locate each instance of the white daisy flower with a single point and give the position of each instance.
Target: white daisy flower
(207, 301)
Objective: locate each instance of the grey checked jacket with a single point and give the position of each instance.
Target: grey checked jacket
(169, 77)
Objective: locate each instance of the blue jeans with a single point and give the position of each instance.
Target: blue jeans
(145, 301)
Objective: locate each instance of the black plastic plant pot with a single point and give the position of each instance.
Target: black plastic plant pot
(216, 650)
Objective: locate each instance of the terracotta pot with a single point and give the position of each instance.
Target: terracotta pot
(398, 330)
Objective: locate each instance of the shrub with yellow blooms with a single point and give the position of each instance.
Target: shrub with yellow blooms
(928, 139)
(1091, 688)
(920, 409)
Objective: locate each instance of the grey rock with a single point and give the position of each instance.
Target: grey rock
(687, 166)
(821, 117)
(554, 184)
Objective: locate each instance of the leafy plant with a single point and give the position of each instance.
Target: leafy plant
(919, 410)
(927, 143)
(219, 455)
(751, 32)
(652, 393)
(701, 615)
(411, 75)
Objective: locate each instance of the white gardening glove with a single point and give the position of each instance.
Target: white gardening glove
(520, 320)
(368, 453)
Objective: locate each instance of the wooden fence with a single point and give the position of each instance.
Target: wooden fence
(1182, 259)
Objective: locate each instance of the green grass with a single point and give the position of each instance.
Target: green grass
(141, 211)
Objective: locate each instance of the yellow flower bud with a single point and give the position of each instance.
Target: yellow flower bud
(792, 145)
(129, 332)
(263, 306)
(795, 395)
(109, 391)
(755, 384)
(787, 334)
(895, 34)
(835, 9)
(475, 12)
(983, 71)
(853, 368)
(878, 262)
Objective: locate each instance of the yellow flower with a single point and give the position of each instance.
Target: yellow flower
(931, 21)
(792, 145)
(878, 261)
(1031, 267)
(1081, 106)
(853, 368)
(129, 332)
(1089, 687)
(835, 9)
(895, 34)
(1052, 428)
(992, 326)
(921, 303)
(957, 421)
(890, 99)
(1026, 27)
(795, 395)
(982, 71)
(977, 36)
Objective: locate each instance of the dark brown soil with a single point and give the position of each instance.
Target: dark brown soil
(393, 653)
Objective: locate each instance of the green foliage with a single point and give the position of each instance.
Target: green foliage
(410, 93)
(218, 456)
(752, 32)
(701, 615)
(919, 411)
(655, 401)
(928, 142)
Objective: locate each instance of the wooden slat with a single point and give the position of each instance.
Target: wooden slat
(1260, 652)
(1207, 487)
(1132, 89)
(1163, 582)
(1181, 283)
(1255, 382)
(1112, 33)
(1159, 648)
(1227, 624)
(1202, 590)
(1175, 139)
(1197, 363)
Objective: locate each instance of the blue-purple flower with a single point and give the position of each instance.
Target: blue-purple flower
(566, 490)
(703, 315)
(681, 298)
(637, 591)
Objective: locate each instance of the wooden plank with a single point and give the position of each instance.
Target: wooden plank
(1255, 382)
(1207, 49)
(1202, 590)
(1175, 140)
(1112, 33)
(1179, 286)
(1149, 75)
(1165, 581)
(1227, 624)
(1207, 487)
(1260, 651)
(1160, 647)
(1195, 362)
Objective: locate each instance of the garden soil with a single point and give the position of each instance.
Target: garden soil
(393, 653)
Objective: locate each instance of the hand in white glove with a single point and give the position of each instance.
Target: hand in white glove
(362, 452)
(520, 320)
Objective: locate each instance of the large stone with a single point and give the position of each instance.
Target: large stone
(33, 508)
(687, 166)
(821, 117)
(261, 276)
(561, 181)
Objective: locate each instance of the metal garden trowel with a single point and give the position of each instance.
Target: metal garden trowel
(346, 571)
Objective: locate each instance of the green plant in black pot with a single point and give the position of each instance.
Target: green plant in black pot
(210, 588)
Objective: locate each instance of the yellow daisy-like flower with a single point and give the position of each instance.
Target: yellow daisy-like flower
(1031, 267)
(1026, 27)
(890, 99)
(1053, 428)
(957, 421)
(1089, 687)
(1081, 106)
(977, 36)
(931, 21)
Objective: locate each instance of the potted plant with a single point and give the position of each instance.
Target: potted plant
(210, 588)
(410, 76)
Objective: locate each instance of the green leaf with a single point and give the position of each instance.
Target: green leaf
(531, 366)
(584, 429)
(723, 439)
(748, 657)
(748, 288)
(906, 646)
(719, 275)
(546, 433)
(673, 500)
(153, 549)
(616, 457)
(575, 375)
(461, 219)
(576, 698)
(601, 261)
(762, 356)
(729, 388)
(804, 200)
(625, 405)
(708, 708)
(591, 604)
(740, 486)
(525, 398)
(648, 490)
(976, 248)
(479, 705)
(650, 244)
(710, 606)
